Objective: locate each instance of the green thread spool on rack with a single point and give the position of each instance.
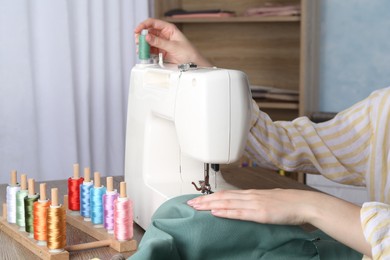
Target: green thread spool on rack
(20, 220)
(28, 207)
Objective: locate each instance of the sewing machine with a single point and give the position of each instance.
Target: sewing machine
(181, 119)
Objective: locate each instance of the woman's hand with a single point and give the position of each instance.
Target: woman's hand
(167, 38)
(338, 218)
(277, 206)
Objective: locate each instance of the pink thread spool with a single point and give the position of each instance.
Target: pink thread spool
(123, 215)
(108, 206)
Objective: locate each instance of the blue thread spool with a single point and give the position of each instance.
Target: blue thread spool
(85, 198)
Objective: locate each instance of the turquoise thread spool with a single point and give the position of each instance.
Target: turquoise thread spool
(96, 204)
(143, 48)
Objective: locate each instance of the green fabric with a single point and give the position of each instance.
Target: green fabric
(180, 232)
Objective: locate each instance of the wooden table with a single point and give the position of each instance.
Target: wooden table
(244, 178)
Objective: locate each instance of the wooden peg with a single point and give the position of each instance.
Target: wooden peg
(13, 178)
(23, 182)
(31, 190)
(42, 191)
(110, 184)
(66, 205)
(87, 174)
(54, 197)
(96, 179)
(76, 171)
(122, 190)
(90, 245)
(4, 211)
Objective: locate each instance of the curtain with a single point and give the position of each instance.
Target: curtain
(64, 77)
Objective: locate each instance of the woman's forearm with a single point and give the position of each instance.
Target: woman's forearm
(339, 219)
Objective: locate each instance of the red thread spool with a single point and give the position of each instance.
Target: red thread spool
(74, 189)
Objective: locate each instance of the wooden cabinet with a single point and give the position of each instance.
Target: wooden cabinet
(272, 51)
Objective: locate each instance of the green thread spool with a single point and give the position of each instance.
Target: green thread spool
(20, 195)
(143, 48)
(28, 212)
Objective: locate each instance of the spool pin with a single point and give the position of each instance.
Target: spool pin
(23, 182)
(76, 171)
(122, 188)
(42, 191)
(31, 190)
(13, 179)
(96, 179)
(87, 174)
(110, 184)
(54, 197)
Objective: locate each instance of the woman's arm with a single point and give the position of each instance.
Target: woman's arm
(338, 149)
(337, 218)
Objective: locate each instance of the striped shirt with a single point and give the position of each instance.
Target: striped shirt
(352, 148)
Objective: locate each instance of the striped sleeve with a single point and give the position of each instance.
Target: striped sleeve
(338, 149)
(375, 220)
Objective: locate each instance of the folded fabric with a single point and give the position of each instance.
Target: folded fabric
(181, 13)
(273, 10)
(180, 232)
(205, 15)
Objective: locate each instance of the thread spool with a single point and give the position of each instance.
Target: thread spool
(40, 216)
(108, 205)
(123, 216)
(143, 48)
(74, 183)
(85, 195)
(20, 195)
(96, 201)
(56, 224)
(28, 207)
(12, 189)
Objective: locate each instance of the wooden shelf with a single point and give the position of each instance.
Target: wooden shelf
(240, 19)
(278, 105)
(266, 48)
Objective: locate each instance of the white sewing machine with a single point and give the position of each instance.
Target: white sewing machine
(178, 122)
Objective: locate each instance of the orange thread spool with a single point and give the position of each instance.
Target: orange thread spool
(40, 218)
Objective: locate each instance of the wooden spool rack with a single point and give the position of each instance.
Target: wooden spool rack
(104, 238)
(22, 237)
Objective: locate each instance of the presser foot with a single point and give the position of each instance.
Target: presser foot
(204, 188)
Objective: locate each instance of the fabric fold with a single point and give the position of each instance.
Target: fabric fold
(178, 232)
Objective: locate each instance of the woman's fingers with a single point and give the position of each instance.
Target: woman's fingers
(154, 24)
(229, 194)
(236, 203)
